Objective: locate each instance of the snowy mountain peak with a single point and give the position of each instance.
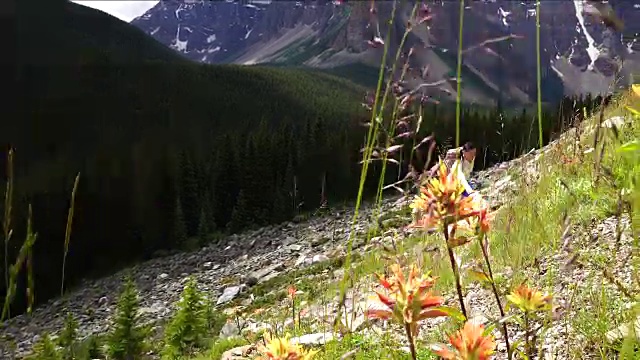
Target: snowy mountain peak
(580, 53)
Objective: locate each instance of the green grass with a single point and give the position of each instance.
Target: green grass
(364, 348)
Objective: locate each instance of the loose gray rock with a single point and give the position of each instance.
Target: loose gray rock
(617, 121)
(313, 339)
(228, 294)
(229, 329)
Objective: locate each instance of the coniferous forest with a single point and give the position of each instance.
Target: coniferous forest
(171, 152)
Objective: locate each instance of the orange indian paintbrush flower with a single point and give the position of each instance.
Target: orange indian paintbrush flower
(528, 299)
(283, 349)
(481, 222)
(468, 343)
(408, 300)
(291, 291)
(441, 199)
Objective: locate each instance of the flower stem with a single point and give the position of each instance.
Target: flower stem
(293, 311)
(527, 336)
(456, 273)
(538, 76)
(495, 293)
(412, 345)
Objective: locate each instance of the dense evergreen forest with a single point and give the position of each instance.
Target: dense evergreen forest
(171, 152)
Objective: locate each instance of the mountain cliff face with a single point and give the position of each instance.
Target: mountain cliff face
(579, 53)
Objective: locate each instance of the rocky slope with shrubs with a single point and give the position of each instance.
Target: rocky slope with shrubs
(224, 272)
(251, 271)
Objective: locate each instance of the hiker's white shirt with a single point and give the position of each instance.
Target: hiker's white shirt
(465, 168)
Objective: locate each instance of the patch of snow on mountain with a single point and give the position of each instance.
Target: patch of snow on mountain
(211, 38)
(557, 71)
(246, 36)
(591, 49)
(154, 31)
(178, 44)
(531, 13)
(504, 15)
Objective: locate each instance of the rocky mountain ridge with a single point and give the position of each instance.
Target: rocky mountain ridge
(579, 54)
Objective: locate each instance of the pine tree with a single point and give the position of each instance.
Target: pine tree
(179, 230)
(126, 341)
(239, 214)
(91, 349)
(281, 206)
(212, 317)
(189, 194)
(207, 223)
(288, 189)
(203, 227)
(188, 327)
(45, 349)
(68, 337)
(226, 180)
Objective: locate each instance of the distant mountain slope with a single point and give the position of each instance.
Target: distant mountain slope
(65, 33)
(578, 53)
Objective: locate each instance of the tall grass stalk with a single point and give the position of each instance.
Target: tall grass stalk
(454, 267)
(459, 74)
(538, 74)
(23, 254)
(6, 224)
(30, 290)
(393, 123)
(484, 245)
(67, 233)
(368, 150)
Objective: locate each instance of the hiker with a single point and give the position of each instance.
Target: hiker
(467, 155)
